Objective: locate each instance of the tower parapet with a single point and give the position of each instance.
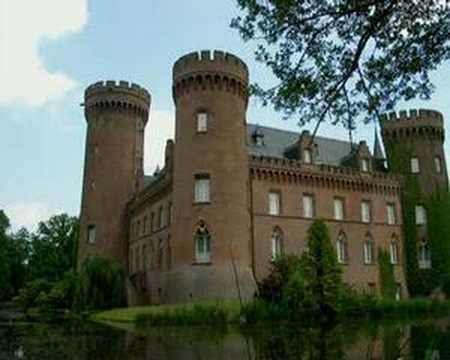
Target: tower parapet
(414, 122)
(216, 70)
(122, 94)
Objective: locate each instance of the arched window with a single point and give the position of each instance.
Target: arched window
(424, 255)
(341, 248)
(202, 240)
(369, 249)
(277, 243)
(393, 250)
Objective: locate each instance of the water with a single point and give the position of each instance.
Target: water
(418, 340)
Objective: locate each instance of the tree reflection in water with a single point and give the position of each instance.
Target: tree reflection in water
(429, 340)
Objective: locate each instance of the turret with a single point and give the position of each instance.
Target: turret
(116, 115)
(414, 145)
(211, 240)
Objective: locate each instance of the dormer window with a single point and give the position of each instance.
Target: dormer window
(307, 156)
(258, 138)
(202, 122)
(365, 165)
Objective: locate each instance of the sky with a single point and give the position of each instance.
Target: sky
(51, 50)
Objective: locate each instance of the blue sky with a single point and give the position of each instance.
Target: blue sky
(50, 50)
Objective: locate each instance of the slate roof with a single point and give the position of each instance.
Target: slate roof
(329, 151)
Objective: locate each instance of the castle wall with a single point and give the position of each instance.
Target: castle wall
(149, 246)
(294, 225)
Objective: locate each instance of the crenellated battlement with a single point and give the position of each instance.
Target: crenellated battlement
(207, 61)
(112, 94)
(216, 70)
(413, 122)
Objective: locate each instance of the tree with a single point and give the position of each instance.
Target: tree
(320, 270)
(13, 254)
(53, 248)
(346, 61)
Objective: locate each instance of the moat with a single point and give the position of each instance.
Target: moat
(424, 340)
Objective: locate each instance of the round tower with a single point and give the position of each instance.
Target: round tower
(211, 240)
(116, 115)
(414, 144)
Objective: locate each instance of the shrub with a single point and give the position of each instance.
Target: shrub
(270, 289)
(31, 292)
(101, 285)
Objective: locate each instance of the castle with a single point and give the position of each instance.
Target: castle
(233, 196)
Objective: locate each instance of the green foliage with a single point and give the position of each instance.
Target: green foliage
(438, 210)
(199, 314)
(14, 251)
(101, 284)
(421, 282)
(61, 295)
(53, 248)
(346, 60)
(282, 269)
(33, 290)
(387, 278)
(309, 285)
(321, 272)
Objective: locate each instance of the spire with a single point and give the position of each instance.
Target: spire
(377, 149)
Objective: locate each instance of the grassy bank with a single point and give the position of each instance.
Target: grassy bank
(202, 313)
(229, 312)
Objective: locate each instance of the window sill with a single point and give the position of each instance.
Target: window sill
(209, 263)
(370, 264)
(202, 202)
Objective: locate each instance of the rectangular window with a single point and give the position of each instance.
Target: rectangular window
(160, 217)
(339, 209)
(307, 157)
(438, 164)
(145, 225)
(202, 188)
(365, 165)
(202, 122)
(365, 211)
(152, 222)
(91, 234)
(415, 167)
(169, 214)
(308, 206)
(390, 212)
(421, 215)
(274, 203)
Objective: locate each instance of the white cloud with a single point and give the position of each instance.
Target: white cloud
(160, 127)
(28, 214)
(23, 25)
